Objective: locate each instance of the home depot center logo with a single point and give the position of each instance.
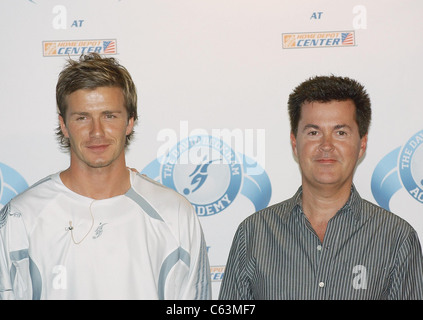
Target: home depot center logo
(318, 39)
(78, 47)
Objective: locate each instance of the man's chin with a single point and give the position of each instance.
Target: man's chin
(98, 164)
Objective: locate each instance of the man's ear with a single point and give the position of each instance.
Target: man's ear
(130, 126)
(363, 146)
(63, 127)
(293, 143)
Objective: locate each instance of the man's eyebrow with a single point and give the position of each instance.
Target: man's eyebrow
(315, 126)
(79, 113)
(311, 126)
(112, 111)
(84, 113)
(342, 126)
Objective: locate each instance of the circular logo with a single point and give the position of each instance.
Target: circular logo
(11, 184)
(206, 171)
(411, 166)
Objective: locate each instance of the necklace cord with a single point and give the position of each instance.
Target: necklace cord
(92, 225)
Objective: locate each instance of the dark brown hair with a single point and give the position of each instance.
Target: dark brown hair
(326, 89)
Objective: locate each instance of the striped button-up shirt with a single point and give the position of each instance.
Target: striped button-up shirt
(367, 253)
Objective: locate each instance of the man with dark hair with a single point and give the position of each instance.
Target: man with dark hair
(98, 230)
(326, 242)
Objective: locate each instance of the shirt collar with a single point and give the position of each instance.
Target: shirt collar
(352, 206)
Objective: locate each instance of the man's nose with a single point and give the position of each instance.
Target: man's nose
(327, 143)
(97, 129)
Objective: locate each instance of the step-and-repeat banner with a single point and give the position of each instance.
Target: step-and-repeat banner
(213, 79)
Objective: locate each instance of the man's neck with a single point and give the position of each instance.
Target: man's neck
(97, 183)
(320, 204)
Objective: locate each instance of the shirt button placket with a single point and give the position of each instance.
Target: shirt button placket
(321, 272)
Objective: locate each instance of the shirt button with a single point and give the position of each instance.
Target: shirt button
(321, 284)
(319, 247)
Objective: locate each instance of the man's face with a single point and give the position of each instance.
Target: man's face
(328, 144)
(96, 125)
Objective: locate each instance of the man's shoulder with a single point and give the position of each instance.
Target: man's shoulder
(275, 213)
(37, 192)
(151, 188)
(382, 217)
(30, 203)
(161, 197)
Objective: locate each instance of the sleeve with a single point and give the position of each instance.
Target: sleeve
(15, 278)
(407, 276)
(235, 284)
(198, 284)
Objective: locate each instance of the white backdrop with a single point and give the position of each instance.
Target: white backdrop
(220, 69)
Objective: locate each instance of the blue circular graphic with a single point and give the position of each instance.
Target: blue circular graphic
(410, 166)
(11, 184)
(211, 175)
(191, 168)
